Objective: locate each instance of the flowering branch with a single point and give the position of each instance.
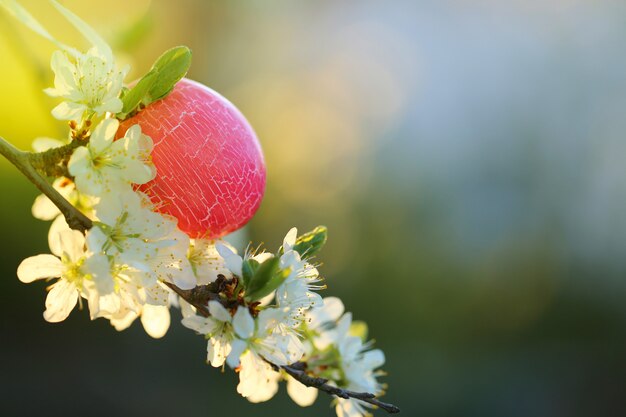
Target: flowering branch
(297, 371)
(202, 294)
(24, 162)
(259, 313)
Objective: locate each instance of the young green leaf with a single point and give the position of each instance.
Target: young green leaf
(266, 279)
(311, 242)
(274, 282)
(168, 69)
(133, 97)
(171, 66)
(248, 269)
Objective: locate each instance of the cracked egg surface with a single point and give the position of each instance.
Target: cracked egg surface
(210, 167)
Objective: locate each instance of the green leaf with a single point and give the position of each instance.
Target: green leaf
(311, 242)
(277, 278)
(249, 268)
(133, 97)
(171, 66)
(158, 82)
(267, 278)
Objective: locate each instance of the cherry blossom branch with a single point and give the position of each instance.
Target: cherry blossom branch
(297, 371)
(202, 294)
(24, 162)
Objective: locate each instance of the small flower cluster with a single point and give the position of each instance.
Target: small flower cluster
(259, 312)
(292, 324)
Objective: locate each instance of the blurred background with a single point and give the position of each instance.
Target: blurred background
(467, 157)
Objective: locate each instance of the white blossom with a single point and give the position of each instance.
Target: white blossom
(297, 291)
(217, 329)
(258, 382)
(90, 84)
(257, 343)
(67, 266)
(105, 164)
(206, 261)
(358, 365)
(128, 231)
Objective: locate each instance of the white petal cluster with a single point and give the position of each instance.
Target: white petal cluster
(334, 340)
(89, 84)
(66, 265)
(297, 293)
(273, 335)
(121, 264)
(106, 164)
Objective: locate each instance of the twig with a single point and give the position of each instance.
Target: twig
(53, 162)
(297, 371)
(198, 297)
(22, 160)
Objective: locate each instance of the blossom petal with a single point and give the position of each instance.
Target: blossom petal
(373, 359)
(73, 244)
(123, 319)
(219, 312)
(349, 408)
(218, 349)
(290, 239)
(201, 325)
(39, 267)
(54, 235)
(113, 105)
(103, 135)
(60, 301)
(330, 311)
(237, 346)
(99, 268)
(68, 110)
(44, 209)
(258, 382)
(243, 323)
(64, 81)
(233, 261)
(301, 394)
(155, 320)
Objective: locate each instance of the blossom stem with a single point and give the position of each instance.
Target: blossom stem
(24, 162)
(297, 371)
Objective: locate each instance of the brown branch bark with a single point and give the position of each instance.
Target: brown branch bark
(297, 371)
(198, 297)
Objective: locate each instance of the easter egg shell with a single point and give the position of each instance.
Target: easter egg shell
(209, 163)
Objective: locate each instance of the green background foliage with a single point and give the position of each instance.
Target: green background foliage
(467, 158)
